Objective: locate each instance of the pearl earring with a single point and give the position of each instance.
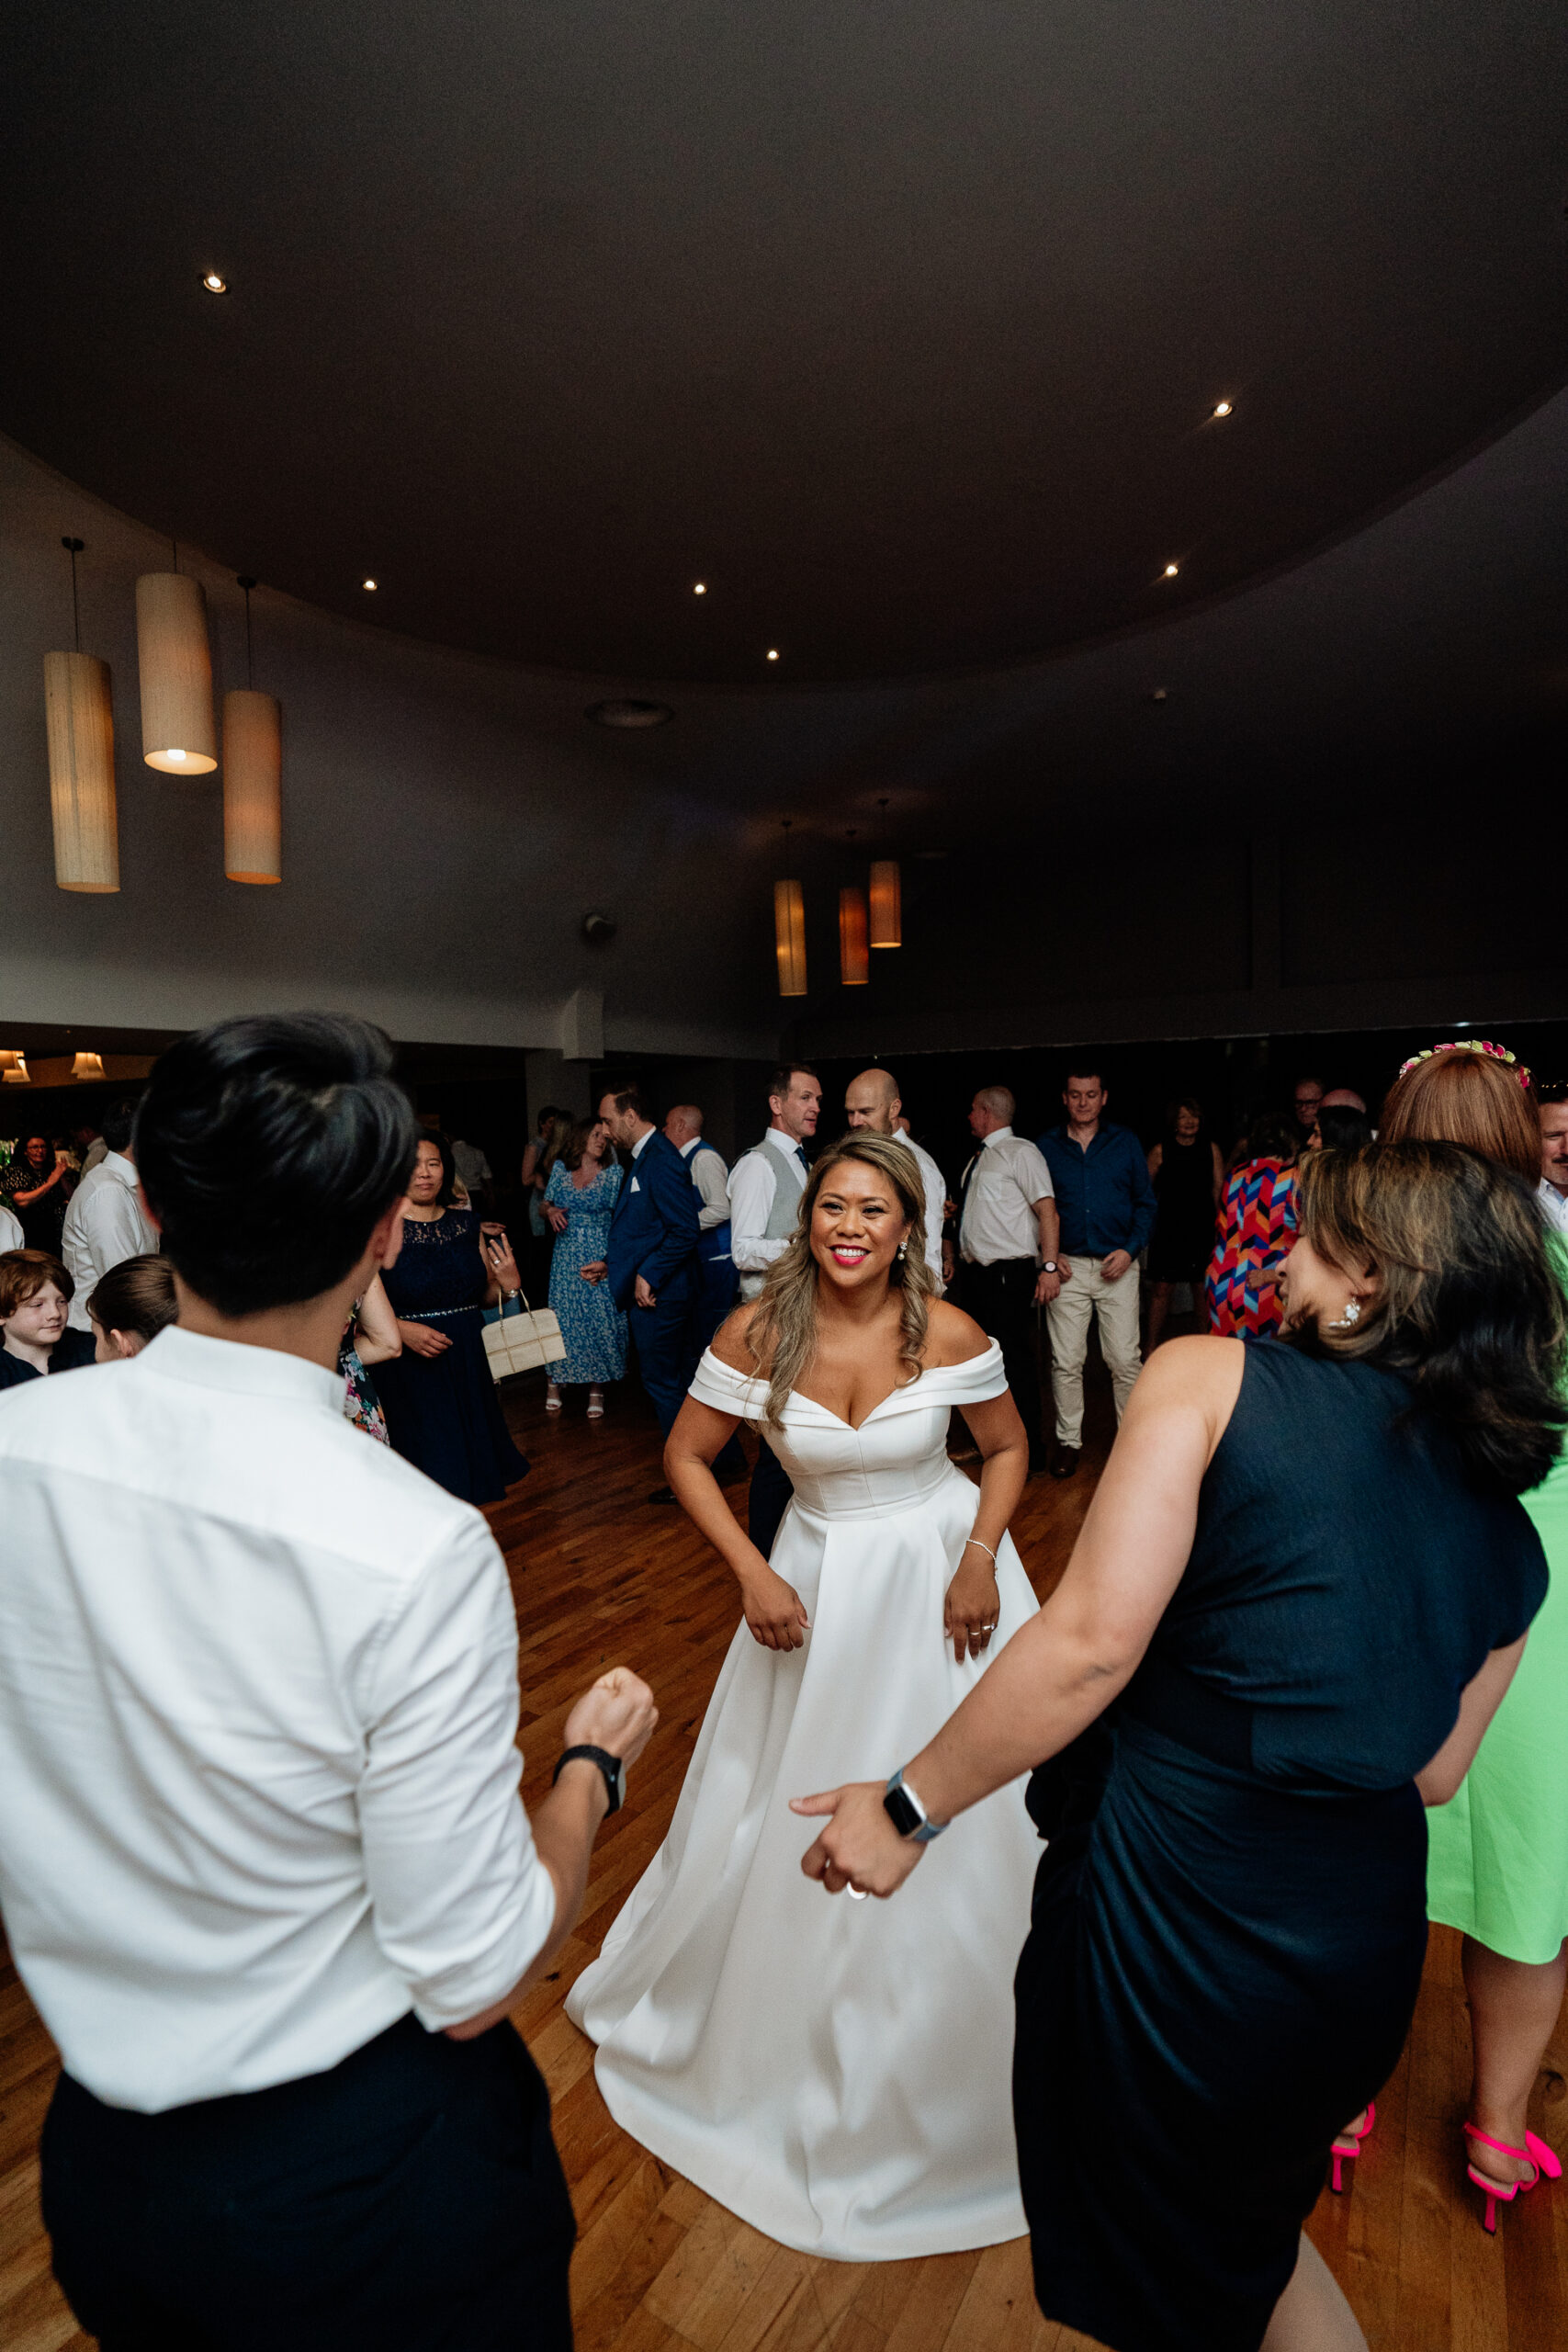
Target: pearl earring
(903, 1250)
(1350, 1317)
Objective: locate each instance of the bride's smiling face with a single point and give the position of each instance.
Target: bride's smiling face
(856, 1226)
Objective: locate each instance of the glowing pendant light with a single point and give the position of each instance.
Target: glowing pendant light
(887, 904)
(175, 661)
(789, 937)
(78, 704)
(252, 776)
(854, 963)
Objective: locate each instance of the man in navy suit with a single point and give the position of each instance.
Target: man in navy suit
(652, 1262)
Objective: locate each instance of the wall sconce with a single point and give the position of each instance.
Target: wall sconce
(88, 1066)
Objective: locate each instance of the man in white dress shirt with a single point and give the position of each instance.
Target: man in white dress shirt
(11, 1234)
(264, 1865)
(873, 1101)
(765, 1186)
(106, 1222)
(1007, 1238)
(714, 1293)
(1552, 1105)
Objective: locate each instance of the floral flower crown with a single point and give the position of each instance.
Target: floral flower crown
(1470, 1045)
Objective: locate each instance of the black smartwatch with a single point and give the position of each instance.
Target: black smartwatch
(612, 1767)
(907, 1813)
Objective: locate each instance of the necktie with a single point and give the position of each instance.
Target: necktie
(804, 1164)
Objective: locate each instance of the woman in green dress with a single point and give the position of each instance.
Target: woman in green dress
(1498, 1864)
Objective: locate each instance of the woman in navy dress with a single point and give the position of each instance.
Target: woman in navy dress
(442, 1410)
(1306, 1580)
(580, 1200)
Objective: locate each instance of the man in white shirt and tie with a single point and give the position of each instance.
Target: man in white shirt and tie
(765, 1186)
(1552, 1107)
(106, 1222)
(1006, 1238)
(873, 1101)
(263, 1865)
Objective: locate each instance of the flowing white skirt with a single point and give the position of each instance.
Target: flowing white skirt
(837, 2073)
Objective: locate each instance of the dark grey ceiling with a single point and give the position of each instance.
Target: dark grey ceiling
(898, 324)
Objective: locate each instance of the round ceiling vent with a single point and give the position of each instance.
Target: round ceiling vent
(629, 711)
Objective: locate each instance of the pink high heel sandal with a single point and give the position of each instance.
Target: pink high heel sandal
(1348, 2146)
(1503, 2192)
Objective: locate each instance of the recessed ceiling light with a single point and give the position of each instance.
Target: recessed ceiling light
(701, 589)
(214, 284)
(1171, 570)
(367, 584)
(1222, 408)
(1159, 695)
(772, 652)
(628, 711)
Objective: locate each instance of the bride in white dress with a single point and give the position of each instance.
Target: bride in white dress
(837, 2073)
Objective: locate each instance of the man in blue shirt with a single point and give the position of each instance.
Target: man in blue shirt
(1107, 1208)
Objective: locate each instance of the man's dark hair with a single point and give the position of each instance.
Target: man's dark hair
(1076, 1070)
(629, 1097)
(118, 1123)
(268, 1146)
(779, 1082)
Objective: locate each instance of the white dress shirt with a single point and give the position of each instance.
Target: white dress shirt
(11, 1234)
(472, 1165)
(752, 1185)
(934, 1185)
(1555, 1203)
(708, 1174)
(258, 1707)
(104, 1223)
(999, 1219)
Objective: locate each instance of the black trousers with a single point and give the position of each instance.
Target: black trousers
(1001, 1300)
(410, 2199)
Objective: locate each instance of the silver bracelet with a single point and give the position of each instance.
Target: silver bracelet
(983, 1547)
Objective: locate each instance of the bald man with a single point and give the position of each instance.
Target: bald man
(871, 1102)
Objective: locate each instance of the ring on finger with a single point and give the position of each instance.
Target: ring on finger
(856, 1893)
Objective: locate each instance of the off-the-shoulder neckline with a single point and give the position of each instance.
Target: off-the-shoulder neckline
(906, 1389)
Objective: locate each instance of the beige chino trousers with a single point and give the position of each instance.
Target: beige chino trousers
(1067, 1318)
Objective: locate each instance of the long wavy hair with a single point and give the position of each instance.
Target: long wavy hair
(782, 1335)
(1467, 1306)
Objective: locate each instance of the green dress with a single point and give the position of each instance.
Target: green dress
(1497, 1861)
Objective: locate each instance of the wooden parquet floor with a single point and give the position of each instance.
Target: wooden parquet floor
(601, 1578)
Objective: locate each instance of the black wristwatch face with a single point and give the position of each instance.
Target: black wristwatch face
(901, 1812)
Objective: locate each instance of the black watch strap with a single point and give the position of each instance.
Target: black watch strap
(615, 1772)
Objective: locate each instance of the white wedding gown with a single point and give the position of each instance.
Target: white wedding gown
(837, 2073)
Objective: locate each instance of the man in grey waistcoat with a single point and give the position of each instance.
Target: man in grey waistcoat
(765, 1186)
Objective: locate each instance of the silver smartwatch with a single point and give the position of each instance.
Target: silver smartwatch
(907, 1813)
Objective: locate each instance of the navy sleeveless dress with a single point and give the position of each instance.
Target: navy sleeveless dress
(442, 1411)
(1230, 1918)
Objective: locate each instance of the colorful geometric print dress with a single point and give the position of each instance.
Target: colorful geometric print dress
(1256, 1233)
(592, 1325)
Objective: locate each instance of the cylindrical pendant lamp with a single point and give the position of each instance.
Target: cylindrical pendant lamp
(176, 674)
(854, 963)
(789, 937)
(253, 787)
(887, 904)
(79, 710)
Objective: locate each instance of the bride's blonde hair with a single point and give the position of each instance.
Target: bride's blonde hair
(782, 1334)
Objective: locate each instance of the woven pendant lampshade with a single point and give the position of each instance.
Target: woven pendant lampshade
(175, 661)
(789, 937)
(253, 787)
(854, 962)
(79, 711)
(887, 904)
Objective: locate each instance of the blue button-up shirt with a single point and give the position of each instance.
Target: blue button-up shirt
(1103, 1195)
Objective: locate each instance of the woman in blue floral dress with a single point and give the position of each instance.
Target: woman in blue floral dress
(580, 1200)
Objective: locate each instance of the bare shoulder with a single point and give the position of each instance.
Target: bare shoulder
(729, 1344)
(952, 1337)
(1202, 1371)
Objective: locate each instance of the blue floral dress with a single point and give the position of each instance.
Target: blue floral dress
(591, 1325)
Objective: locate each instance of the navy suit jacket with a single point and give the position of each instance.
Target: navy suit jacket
(654, 1229)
